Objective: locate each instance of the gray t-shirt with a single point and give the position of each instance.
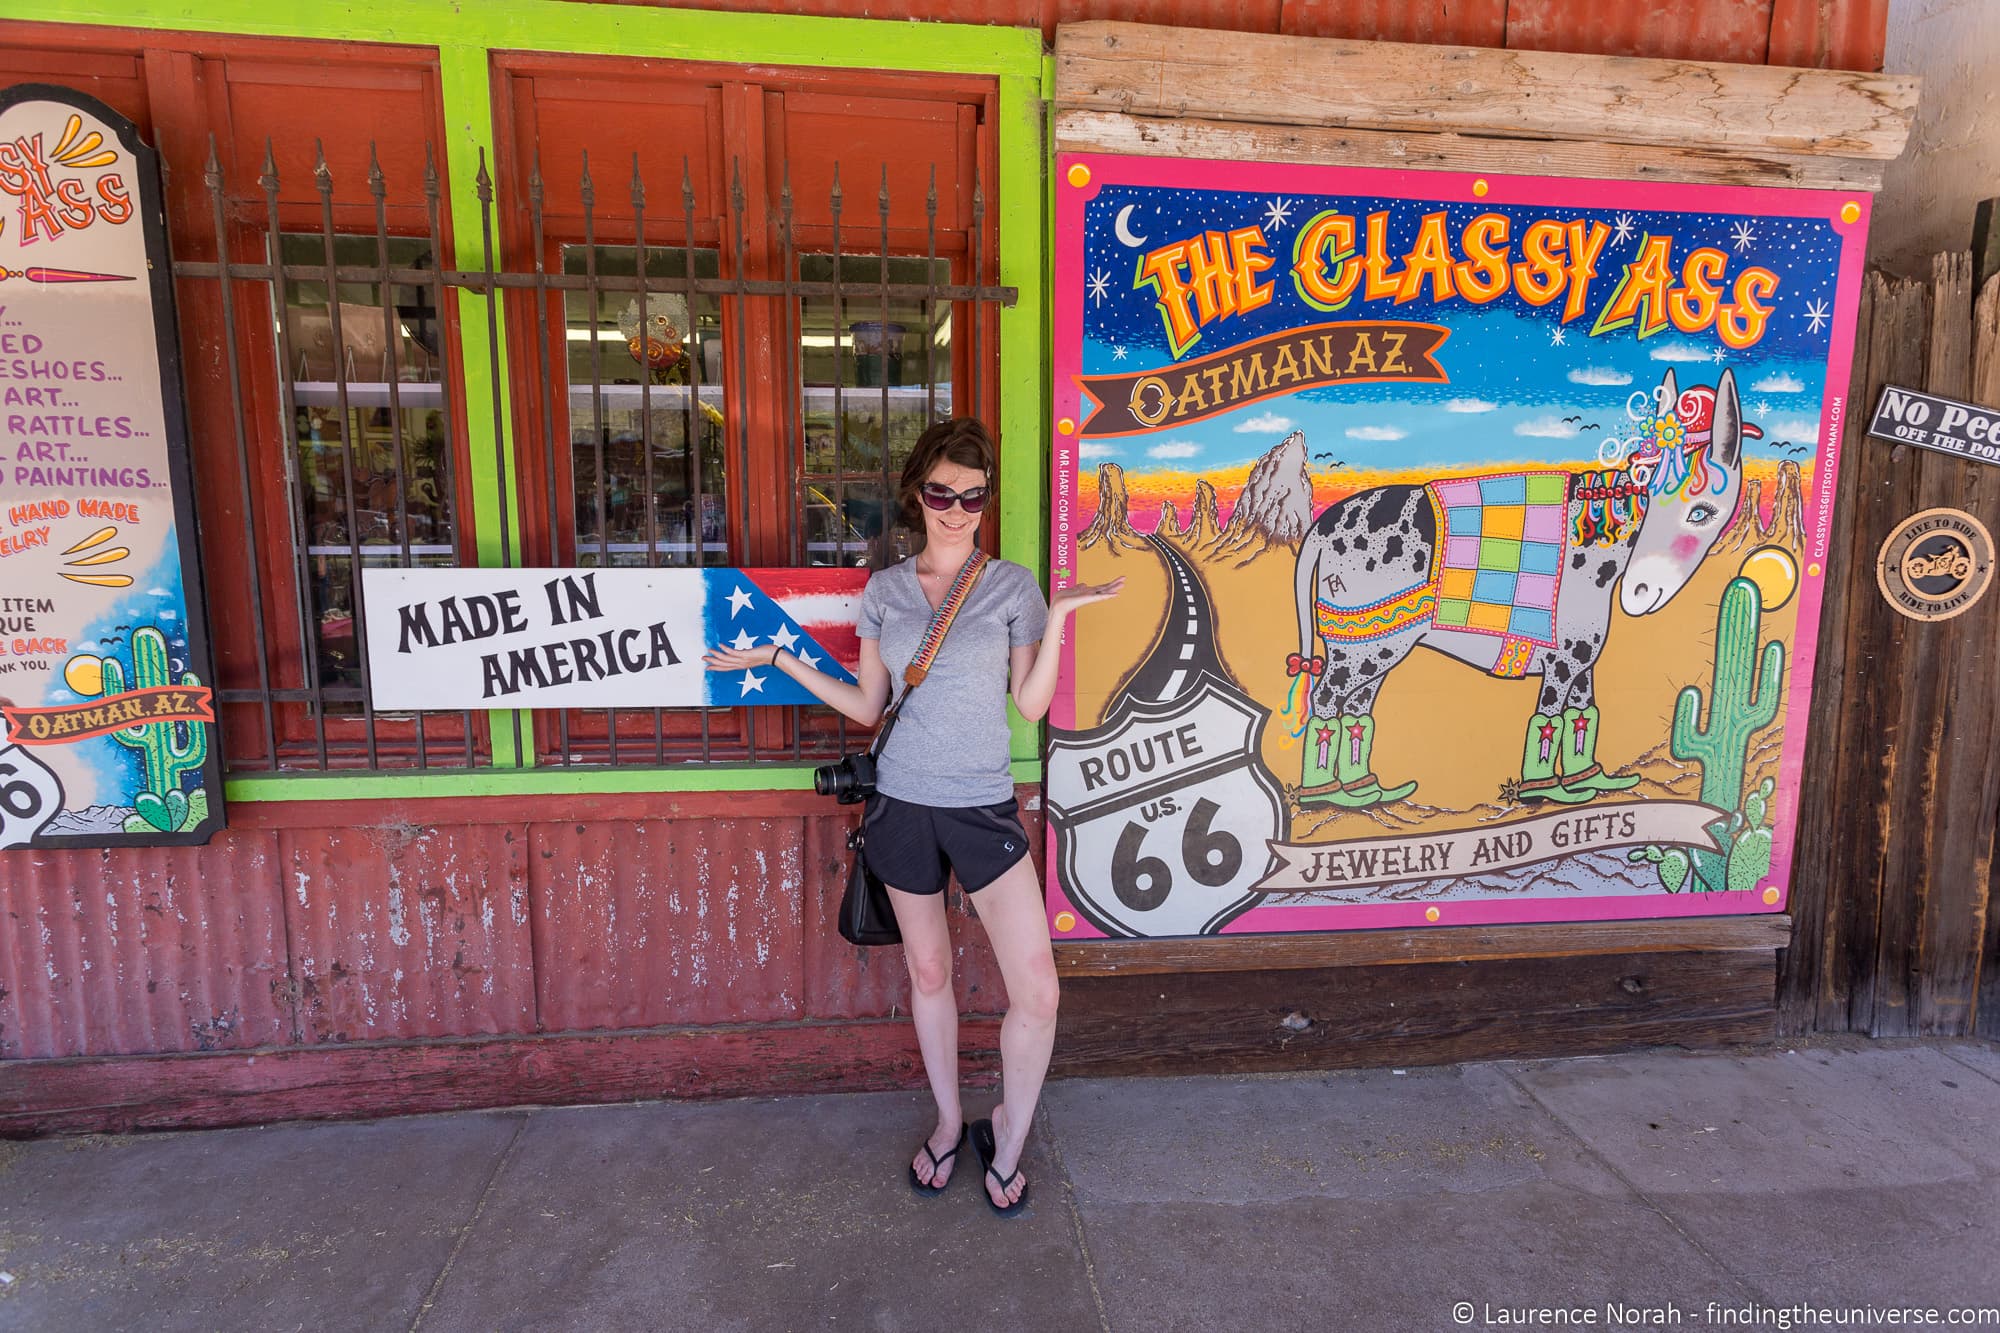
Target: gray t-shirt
(949, 747)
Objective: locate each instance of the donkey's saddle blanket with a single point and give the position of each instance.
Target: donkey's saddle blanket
(1501, 541)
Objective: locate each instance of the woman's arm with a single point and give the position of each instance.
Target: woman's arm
(861, 703)
(1032, 667)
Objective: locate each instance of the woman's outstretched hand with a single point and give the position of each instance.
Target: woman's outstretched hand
(1069, 599)
(725, 658)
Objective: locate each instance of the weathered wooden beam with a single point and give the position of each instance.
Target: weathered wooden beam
(123, 1094)
(1985, 242)
(1431, 1014)
(1366, 948)
(1951, 720)
(1986, 343)
(1170, 72)
(1815, 978)
(1879, 766)
(1155, 136)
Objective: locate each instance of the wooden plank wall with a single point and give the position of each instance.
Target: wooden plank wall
(1895, 880)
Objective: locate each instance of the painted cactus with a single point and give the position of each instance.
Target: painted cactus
(1750, 853)
(169, 749)
(1744, 701)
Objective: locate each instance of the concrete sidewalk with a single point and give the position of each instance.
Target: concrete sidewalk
(1834, 1174)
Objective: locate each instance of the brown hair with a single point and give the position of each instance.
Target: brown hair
(963, 441)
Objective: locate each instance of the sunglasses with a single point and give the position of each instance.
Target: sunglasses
(941, 497)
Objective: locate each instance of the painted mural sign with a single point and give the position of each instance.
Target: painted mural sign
(1472, 530)
(601, 638)
(107, 723)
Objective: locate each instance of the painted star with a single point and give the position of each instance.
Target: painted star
(1717, 355)
(1117, 353)
(807, 658)
(784, 638)
(1742, 236)
(1761, 408)
(1278, 212)
(742, 641)
(752, 684)
(1621, 231)
(1558, 337)
(1100, 286)
(738, 600)
(1818, 315)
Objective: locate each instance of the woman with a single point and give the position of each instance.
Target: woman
(944, 793)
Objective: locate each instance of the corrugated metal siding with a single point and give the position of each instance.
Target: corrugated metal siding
(1233, 15)
(1727, 30)
(117, 952)
(1442, 22)
(652, 922)
(840, 980)
(1839, 34)
(1830, 34)
(402, 931)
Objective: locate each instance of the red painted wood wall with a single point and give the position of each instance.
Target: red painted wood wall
(315, 926)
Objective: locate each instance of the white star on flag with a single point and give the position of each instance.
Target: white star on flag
(784, 638)
(742, 641)
(752, 683)
(808, 659)
(737, 601)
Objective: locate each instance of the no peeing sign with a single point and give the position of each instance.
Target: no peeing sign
(1966, 430)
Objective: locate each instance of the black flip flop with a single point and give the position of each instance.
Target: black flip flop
(936, 1162)
(988, 1148)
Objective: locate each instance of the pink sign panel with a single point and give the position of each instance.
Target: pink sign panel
(1473, 530)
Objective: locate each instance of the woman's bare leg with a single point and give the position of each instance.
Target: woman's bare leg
(1012, 910)
(927, 951)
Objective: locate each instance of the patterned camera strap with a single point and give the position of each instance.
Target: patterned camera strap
(947, 611)
(920, 665)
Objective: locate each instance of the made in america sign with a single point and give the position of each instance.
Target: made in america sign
(601, 638)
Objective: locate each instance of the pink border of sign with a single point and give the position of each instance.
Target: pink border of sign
(1466, 187)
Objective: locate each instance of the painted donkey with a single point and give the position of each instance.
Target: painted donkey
(1512, 573)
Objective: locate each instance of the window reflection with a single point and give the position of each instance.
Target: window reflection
(875, 374)
(373, 452)
(646, 407)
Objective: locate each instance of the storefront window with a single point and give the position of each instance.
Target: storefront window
(646, 412)
(371, 438)
(876, 364)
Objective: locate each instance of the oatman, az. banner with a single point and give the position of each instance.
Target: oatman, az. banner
(1473, 530)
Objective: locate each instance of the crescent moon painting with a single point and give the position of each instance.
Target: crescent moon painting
(1123, 227)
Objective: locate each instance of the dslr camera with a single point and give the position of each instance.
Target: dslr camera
(850, 781)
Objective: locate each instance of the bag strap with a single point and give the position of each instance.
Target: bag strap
(947, 611)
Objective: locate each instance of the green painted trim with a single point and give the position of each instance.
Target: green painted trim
(536, 782)
(1024, 369)
(465, 82)
(466, 35)
(589, 29)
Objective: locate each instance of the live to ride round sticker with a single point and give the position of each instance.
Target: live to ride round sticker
(1936, 564)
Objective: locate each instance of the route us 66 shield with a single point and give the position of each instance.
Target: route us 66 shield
(1164, 813)
(30, 794)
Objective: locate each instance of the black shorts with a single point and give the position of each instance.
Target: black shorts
(910, 846)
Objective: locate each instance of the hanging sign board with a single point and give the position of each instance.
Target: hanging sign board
(1964, 430)
(1472, 529)
(601, 638)
(107, 723)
